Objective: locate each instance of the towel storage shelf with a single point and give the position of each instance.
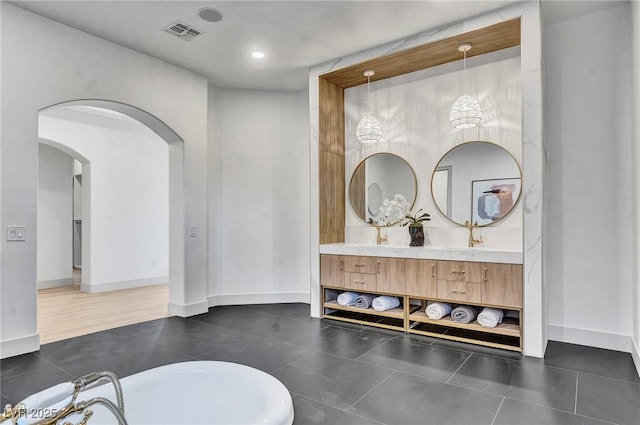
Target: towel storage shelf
(417, 281)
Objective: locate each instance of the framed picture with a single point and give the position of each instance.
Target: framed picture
(493, 199)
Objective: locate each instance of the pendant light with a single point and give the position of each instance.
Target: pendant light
(466, 111)
(369, 129)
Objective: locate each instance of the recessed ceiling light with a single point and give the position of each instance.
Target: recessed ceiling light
(210, 15)
(257, 55)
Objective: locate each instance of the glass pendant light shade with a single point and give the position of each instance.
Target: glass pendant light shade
(369, 130)
(465, 112)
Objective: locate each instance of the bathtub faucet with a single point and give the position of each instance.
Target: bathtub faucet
(59, 402)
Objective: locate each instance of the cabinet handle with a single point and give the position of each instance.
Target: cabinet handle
(361, 282)
(457, 272)
(458, 292)
(341, 265)
(378, 268)
(433, 271)
(484, 274)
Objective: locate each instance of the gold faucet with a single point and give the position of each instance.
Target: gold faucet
(380, 239)
(472, 242)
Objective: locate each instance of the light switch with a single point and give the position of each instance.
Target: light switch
(193, 231)
(16, 233)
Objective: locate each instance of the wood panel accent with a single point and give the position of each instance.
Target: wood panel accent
(502, 285)
(421, 278)
(331, 167)
(332, 270)
(391, 275)
(484, 40)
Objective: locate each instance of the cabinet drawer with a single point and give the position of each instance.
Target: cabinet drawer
(460, 271)
(354, 264)
(460, 291)
(360, 281)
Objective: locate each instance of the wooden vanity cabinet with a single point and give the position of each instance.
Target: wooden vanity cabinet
(420, 281)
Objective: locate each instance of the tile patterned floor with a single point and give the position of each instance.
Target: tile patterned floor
(346, 374)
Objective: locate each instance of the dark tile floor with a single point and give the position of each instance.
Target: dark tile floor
(346, 374)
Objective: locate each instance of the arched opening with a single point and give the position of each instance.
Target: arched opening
(175, 204)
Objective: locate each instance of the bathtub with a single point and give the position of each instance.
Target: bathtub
(196, 393)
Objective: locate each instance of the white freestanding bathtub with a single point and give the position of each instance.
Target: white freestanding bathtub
(196, 393)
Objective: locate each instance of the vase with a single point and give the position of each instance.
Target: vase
(417, 235)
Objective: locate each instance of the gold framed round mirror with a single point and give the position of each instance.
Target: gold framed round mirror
(478, 182)
(378, 178)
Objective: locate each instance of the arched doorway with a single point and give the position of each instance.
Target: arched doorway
(176, 251)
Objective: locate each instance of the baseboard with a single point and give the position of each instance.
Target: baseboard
(125, 284)
(266, 298)
(590, 338)
(635, 353)
(186, 310)
(15, 347)
(55, 283)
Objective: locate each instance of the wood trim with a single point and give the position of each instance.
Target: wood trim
(484, 40)
(467, 340)
(331, 167)
(394, 313)
(508, 329)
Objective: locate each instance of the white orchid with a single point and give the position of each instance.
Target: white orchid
(392, 211)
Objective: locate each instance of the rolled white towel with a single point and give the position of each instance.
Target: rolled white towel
(347, 298)
(437, 310)
(490, 317)
(364, 300)
(385, 302)
(464, 314)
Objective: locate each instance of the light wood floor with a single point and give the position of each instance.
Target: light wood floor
(66, 312)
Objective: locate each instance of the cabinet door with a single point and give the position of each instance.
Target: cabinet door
(421, 278)
(461, 271)
(360, 282)
(502, 285)
(332, 270)
(390, 275)
(355, 264)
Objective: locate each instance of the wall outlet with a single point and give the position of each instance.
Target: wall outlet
(16, 233)
(193, 231)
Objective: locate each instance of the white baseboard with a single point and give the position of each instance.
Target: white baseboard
(635, 353)
(124, 284)
(187, 310)
(15, 347)
(266, 298)
(55, 283)
(590, 338)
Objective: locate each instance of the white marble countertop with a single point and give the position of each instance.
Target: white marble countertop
(478, 254)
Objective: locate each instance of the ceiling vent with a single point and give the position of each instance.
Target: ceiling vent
(182, 30)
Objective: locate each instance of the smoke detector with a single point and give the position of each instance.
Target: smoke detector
(181, 30)
(210, 15)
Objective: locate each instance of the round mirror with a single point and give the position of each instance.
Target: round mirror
(377, 180)
(476, 182)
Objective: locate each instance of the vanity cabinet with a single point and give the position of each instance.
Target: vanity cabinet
(417, 282)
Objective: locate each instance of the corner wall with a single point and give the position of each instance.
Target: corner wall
(258, 197)
(53, 63)
(589, 192)
(635, 54)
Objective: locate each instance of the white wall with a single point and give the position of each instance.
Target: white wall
(259, 196)
(635, 45)
(129, 220)
(55, 214)
(53, 63)
(414, 113)
(589, 193)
